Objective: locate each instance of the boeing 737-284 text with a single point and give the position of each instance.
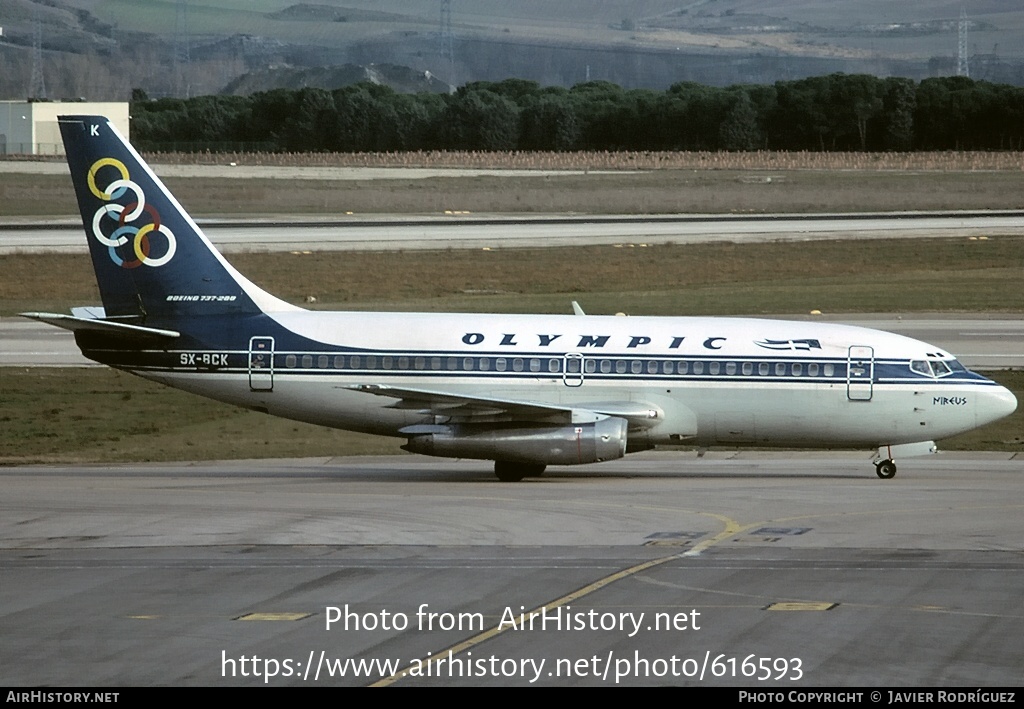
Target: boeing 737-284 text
(524, 391)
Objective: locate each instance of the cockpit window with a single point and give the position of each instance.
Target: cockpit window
(930, 368)
(919, 366)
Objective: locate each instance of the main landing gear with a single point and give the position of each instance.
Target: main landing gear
(885, 469)
(510, 472)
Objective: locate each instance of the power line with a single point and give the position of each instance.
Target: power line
(37, 82)
(446, 48)
(962, 68)
(182, 51)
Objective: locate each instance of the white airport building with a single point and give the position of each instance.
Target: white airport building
(30, 127)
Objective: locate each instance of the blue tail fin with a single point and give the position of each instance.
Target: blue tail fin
(153, 263)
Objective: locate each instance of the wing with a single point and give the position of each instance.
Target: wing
(463, 408)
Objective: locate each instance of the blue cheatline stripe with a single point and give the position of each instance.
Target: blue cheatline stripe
(601, 368)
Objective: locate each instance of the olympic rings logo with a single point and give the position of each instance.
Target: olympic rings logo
(126, 217)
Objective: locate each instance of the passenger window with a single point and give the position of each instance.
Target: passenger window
(714, 367)
(698, 368)
(780, 369)
(534, 365)
(371, 362)
(748, 368)
(435, 363)
(762, 369)
(289, 361)
(307, 361)
(451, 364)
(652, 367)
(620, 366)
(730, 368)
(606, 366)
(667, 367)
(798, 369)
(339, 362)
(636, 366)
(591, 366)
(321, 361)
(552, 365)
(517, 364)
(485, 364)
(403, 362)
(388, 362)
(419, 363)
(467, 364)
(812, 369)
(499, 364)
(683, 367)
(829, 370)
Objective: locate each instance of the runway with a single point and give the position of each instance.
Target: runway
(384, 233)
(803, 566)
(980, 342)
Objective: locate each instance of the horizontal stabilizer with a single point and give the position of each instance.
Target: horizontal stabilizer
(90, 312)
(70, 322)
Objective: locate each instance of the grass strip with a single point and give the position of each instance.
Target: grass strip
(888, 275)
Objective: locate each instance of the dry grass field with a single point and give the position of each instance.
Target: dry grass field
(725, 278)
(664, 191)
(965, 161)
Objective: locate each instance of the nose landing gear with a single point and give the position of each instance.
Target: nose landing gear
(885, 469)
(884, 459)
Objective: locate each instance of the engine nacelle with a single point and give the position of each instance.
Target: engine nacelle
(516, 443)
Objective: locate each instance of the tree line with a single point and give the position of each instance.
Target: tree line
(838, 112)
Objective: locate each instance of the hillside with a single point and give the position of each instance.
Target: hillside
(400, 78)
(103, 48)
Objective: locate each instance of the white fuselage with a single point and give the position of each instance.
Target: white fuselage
(706, 380)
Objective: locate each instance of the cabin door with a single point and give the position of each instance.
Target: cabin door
(860, 373)
(261, 364)
(572, 369)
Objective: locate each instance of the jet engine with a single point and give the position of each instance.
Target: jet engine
(515, 442)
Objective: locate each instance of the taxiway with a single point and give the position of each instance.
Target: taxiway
(171, 573)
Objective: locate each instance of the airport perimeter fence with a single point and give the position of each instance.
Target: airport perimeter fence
(30, 150)
(265, 153)
(608, 160)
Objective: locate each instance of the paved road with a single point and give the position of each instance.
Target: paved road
(982, 342)
(172, 573)
(460, 231)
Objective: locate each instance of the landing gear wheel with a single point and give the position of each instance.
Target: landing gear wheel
(509, 472)
(534, 471)
(885, 469)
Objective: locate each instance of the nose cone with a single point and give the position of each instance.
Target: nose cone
(995, 404)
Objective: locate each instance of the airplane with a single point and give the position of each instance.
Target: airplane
(524, 391)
